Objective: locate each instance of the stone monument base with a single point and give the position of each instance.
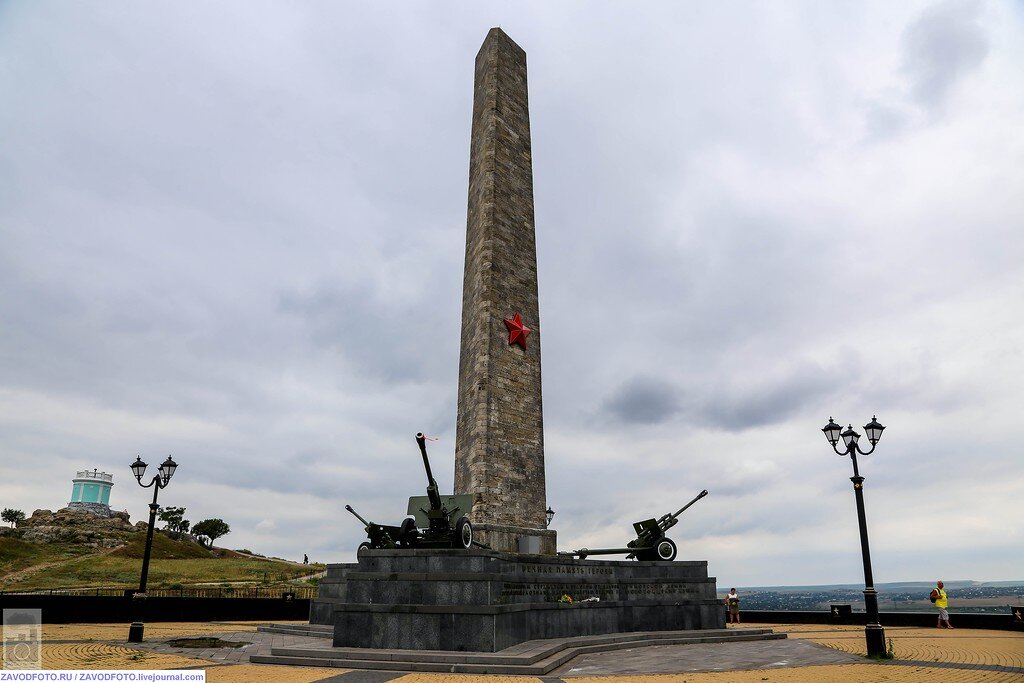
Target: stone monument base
(485, 601)
(516, 539)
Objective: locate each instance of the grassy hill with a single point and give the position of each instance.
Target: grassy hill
(174, 564)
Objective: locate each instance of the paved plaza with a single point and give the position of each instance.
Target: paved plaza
(810, 653)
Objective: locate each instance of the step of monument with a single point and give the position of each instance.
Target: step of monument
(308, 630)
(536, 657)
(530, 651)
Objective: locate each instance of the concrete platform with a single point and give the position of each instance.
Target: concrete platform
(726, 656)
(531, 658)
(486, 601)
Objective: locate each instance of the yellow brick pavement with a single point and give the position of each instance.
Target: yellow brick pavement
(155, 630)
(91, 655)
(247, 673)
(929, 655)
(845, 673)
(959, 646)
(851, 673)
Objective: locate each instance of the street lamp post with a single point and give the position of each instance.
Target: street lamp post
(873, 632)
(161, 480)
(549, 514)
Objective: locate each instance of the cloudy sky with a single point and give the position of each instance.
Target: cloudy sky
(234, 232)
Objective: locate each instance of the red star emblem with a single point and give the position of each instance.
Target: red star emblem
(517, 331)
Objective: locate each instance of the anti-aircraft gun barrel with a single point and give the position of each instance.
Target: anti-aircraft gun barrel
(349, 508)
(432, 493)
(447, 526)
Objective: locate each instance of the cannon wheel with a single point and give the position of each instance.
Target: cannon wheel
(408, 532)
(463, 534)
(363, 546)
(665, 550)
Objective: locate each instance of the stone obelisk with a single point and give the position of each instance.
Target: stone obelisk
(499, 443)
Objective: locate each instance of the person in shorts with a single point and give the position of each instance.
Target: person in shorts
(942, 603)
(732, 601)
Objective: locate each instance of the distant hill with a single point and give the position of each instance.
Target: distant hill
(895, 586)
(965, 596)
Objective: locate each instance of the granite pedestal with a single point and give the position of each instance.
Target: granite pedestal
(485, 601)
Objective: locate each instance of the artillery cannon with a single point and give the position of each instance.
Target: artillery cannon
(650, 542)
(434, 521)
(438, 521)
(382, 536)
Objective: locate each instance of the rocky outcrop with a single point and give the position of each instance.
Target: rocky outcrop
(98, 509)
(79, 526)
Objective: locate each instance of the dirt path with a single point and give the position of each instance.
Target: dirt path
(307, 577)
(298, 579)
(260, 557)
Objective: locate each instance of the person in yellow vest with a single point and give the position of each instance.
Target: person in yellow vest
(942, 603)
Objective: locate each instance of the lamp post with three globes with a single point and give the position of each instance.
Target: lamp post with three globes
(873, 632)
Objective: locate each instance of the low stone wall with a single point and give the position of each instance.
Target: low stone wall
(331, 592)
(959, 620)
(77, 609)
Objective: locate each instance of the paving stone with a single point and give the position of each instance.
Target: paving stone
(664, 659)
(363, 677)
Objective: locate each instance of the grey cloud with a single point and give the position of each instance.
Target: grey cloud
(770, 399)
(946, 43)
(643, 400)
(884, 121)
(398, 342)
(766, 394)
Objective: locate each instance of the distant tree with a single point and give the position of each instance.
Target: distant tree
(174, 519)
(15, 517)
(212, 529)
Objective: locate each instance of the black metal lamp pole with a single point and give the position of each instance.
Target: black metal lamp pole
(162, 478)
(873, 632)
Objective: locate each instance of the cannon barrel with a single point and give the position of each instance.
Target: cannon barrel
(683, 509)
(432, 493)
(349, 508)
(422, 442)
(667, 521)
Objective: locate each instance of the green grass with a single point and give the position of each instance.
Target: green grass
(164, 548)
(16, 554)
(173, 563)
(111, 571)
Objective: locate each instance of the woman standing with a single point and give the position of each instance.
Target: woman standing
(732, 601)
